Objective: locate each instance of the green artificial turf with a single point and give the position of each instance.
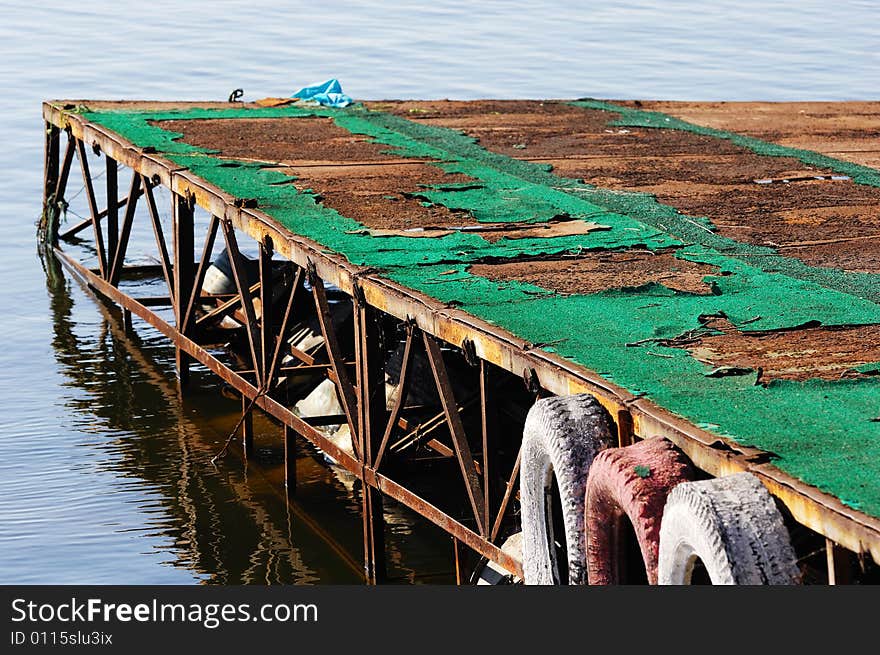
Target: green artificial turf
(824, 432)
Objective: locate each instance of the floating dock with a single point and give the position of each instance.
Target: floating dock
(709, 272)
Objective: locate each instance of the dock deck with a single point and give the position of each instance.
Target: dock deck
(709, 271)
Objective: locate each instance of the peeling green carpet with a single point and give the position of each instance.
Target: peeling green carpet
(826, 433)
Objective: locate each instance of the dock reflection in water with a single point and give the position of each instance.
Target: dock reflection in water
(230, 523)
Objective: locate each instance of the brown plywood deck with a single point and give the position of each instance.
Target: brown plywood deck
(349, 173)
(844, 130)
(811, 220)
(828, 353)
(601, 271)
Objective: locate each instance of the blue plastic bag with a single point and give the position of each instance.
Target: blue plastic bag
(328, 94)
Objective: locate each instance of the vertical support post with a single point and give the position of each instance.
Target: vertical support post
(488, 422)
(247, 428)
(236, 261)
(126, 321)
(279, 334)
(184, 244)
(344, 387)
(267, 317)
(201, 271)
(167, 270)
(370, 364)
(624, 428)
(56, 197)
(838, 564)
(112, 184)
(51, 165)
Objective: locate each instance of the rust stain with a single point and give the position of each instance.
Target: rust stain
(603, 271)
(828, 353)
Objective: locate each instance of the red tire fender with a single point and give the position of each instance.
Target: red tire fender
(630, 482)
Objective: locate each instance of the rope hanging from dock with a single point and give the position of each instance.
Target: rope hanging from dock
(260, 393)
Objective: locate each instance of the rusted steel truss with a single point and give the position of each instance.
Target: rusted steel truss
(427, 323)
(362, 395)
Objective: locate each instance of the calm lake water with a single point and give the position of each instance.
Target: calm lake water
(104, 473)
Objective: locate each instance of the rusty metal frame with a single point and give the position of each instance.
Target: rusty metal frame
(111, 180)
(245, 298)
(403, 384)
(87, 223)
(204, 263)
(119, 245)
(93, 207)
(295, 292)
(346, 389)
(371, 419)
(159, 235)
(817, 510)
(456, 429)
(225, 308)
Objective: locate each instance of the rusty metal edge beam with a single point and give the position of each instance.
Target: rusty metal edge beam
(111, 144)
(159, 380)
(285, 415)
(826, 515)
